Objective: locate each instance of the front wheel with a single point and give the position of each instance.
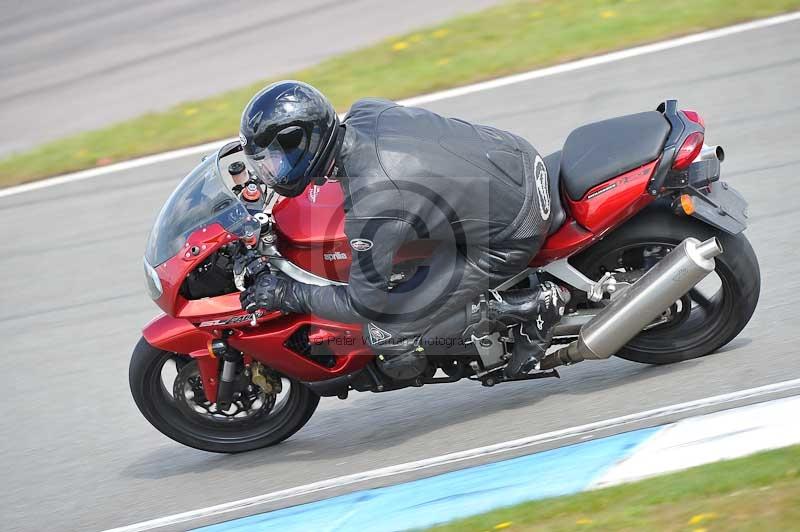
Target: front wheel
(168, 390)
(710, 315)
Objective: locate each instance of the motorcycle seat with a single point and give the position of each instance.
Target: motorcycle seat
(557, 213)
(599, 151)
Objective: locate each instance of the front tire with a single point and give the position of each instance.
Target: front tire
(701, 324)
(156, 398)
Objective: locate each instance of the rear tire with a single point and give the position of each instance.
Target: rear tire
(159, 406)
(721, 317)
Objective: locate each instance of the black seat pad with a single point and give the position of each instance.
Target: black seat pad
(557, 213)
(596, 152)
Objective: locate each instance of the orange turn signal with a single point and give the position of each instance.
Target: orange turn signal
(210, 348)
(687, 204)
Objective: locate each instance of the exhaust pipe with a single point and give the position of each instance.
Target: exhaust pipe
(711, 152)
(625, 317)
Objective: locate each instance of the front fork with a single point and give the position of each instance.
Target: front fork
(231, 361)
(208, 366)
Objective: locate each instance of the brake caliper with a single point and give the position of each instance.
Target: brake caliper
(264, 379)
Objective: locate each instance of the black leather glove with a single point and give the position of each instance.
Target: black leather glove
(268, 292)
(250, 263)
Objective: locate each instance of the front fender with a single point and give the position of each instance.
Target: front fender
(178, 335)
(175, 334)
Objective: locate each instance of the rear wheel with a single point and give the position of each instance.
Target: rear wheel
(168, 391)
(710, 315)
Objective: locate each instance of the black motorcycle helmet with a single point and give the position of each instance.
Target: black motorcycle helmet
(288, 133)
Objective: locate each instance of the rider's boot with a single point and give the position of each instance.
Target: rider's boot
(537, 311)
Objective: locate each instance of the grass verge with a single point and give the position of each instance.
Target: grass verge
(756, 493)
(512, 37)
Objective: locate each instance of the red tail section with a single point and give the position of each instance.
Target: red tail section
(603, 208)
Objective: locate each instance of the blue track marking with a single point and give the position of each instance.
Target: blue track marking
(441, 498)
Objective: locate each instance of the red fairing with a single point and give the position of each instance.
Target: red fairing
(311, 228)
(175, 334)
(609, 204)
(563, 243)
(268, 344)
(603, 208)
(173, 272)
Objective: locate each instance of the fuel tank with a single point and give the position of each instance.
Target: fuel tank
(311, 231)
(311, 234)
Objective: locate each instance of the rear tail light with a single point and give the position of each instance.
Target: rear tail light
(695, 117)
(689, 151)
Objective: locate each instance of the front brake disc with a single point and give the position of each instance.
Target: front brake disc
(250, 402)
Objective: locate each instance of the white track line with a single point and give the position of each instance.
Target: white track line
(698, 440)
(428, 98)
(460, 456)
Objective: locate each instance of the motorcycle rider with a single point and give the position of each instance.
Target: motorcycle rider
(408, 175)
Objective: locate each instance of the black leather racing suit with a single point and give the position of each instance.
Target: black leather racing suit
(411, 175)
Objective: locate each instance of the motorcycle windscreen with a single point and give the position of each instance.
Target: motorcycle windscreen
(201, 199)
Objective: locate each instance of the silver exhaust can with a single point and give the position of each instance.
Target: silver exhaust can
(641, 303)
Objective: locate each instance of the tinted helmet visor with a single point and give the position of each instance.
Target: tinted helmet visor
(277, 163)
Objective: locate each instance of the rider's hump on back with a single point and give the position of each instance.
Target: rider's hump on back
(448, 173)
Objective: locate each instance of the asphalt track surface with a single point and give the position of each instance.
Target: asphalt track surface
(77, 454)
(74, 66)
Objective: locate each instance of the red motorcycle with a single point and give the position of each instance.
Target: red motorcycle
(640, 222)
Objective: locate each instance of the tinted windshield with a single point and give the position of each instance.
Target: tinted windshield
(201, 199)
